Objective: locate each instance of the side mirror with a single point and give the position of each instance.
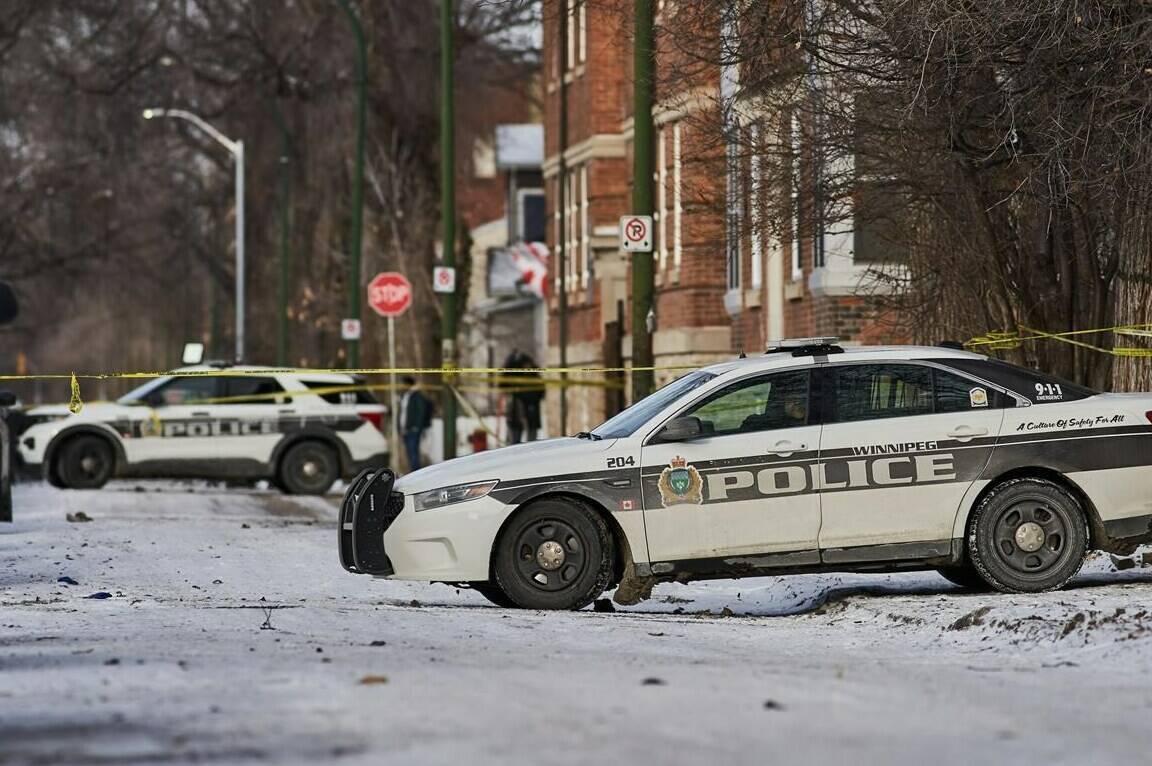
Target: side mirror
(681, 430)
(7, 399)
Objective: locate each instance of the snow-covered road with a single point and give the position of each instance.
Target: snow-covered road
(232, 635)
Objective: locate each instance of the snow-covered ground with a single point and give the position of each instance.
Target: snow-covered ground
(232, 635)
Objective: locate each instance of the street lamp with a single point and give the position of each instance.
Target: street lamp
(237, 150)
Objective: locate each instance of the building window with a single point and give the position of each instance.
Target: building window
(677, 207)
(795, 138)
(755, 205)
(733, 210)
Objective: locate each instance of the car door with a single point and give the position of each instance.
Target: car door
(177, 424)
(901, 444)
(742, 486)
(249, 416)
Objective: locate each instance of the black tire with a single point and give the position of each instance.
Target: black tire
(964, 575)
(308, 468)
(555, 553)
(1017, 515)
(83, 462)
(492, 592)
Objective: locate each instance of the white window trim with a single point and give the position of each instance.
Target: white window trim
(661, 200)
(582, 31)
(571, 31)
(585, 251)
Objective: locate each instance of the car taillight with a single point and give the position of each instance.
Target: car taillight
(375, 418)
(1148, 415)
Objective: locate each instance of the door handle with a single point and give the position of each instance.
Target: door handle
(201, 414)
(784, 448)
(287, 412)
(965, 433)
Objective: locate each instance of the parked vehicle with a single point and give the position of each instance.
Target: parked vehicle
(302, 431)
(811, 457)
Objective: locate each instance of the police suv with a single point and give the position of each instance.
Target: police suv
(808, 458)
(302, 431)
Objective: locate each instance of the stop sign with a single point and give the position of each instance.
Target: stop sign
(389, 294)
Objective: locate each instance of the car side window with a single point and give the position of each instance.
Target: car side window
(200, 389)
(254, 390)
(954, 393)
(871, 391)
(758, 404)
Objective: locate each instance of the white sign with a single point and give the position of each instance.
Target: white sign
(444, 279)
(636, 233)
(350, 329)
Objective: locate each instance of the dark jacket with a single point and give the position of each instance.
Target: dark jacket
(417, 414)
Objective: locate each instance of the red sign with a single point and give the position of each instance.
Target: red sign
(389, 294)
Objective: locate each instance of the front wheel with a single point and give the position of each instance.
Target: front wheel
(964, 575)
(308, 468)
(1028, 535)
(84, 462)
(555, 553)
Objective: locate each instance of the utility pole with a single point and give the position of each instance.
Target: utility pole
(448, 220)
(354, 286)
(561, 224)
(285, 238)
(643, 159)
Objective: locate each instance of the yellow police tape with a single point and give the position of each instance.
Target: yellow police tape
(524, 378)
(514, 379)
(1012, 339)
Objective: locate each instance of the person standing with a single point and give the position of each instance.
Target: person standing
(415, 418)
(523, 406)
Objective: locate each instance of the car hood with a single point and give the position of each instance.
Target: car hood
(90, 411)
(519, 461)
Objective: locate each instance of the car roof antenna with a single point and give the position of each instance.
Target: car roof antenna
(742, 355)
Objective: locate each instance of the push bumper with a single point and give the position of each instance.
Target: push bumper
(368, 509)
(381, 534)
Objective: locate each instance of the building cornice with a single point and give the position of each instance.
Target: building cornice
(599, 146)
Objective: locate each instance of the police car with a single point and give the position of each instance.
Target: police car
(809, 458)
(302, 431)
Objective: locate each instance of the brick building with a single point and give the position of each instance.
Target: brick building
(739, 260)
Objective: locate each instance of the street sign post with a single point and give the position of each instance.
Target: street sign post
(390, 295)
(636, 233)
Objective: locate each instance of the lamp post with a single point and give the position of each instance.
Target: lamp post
(236, 148)
(357, 179)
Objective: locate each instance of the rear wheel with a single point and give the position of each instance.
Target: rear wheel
(308, 468)
(556, 553)
(83, 462)
(1028, 535)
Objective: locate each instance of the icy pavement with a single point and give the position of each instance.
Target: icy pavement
(231, 635)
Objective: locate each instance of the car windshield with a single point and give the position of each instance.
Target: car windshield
(136, 395)
(626, 422)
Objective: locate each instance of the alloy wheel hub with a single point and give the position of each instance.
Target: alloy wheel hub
(550, 555)
(1029, 536)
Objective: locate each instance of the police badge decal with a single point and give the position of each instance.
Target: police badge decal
(681, 484)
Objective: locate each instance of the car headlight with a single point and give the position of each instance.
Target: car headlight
(458, 493)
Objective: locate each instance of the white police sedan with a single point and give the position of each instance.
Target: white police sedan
(302, 431)
(808, 458)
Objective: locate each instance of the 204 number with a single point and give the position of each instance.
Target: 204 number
(621, 462)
